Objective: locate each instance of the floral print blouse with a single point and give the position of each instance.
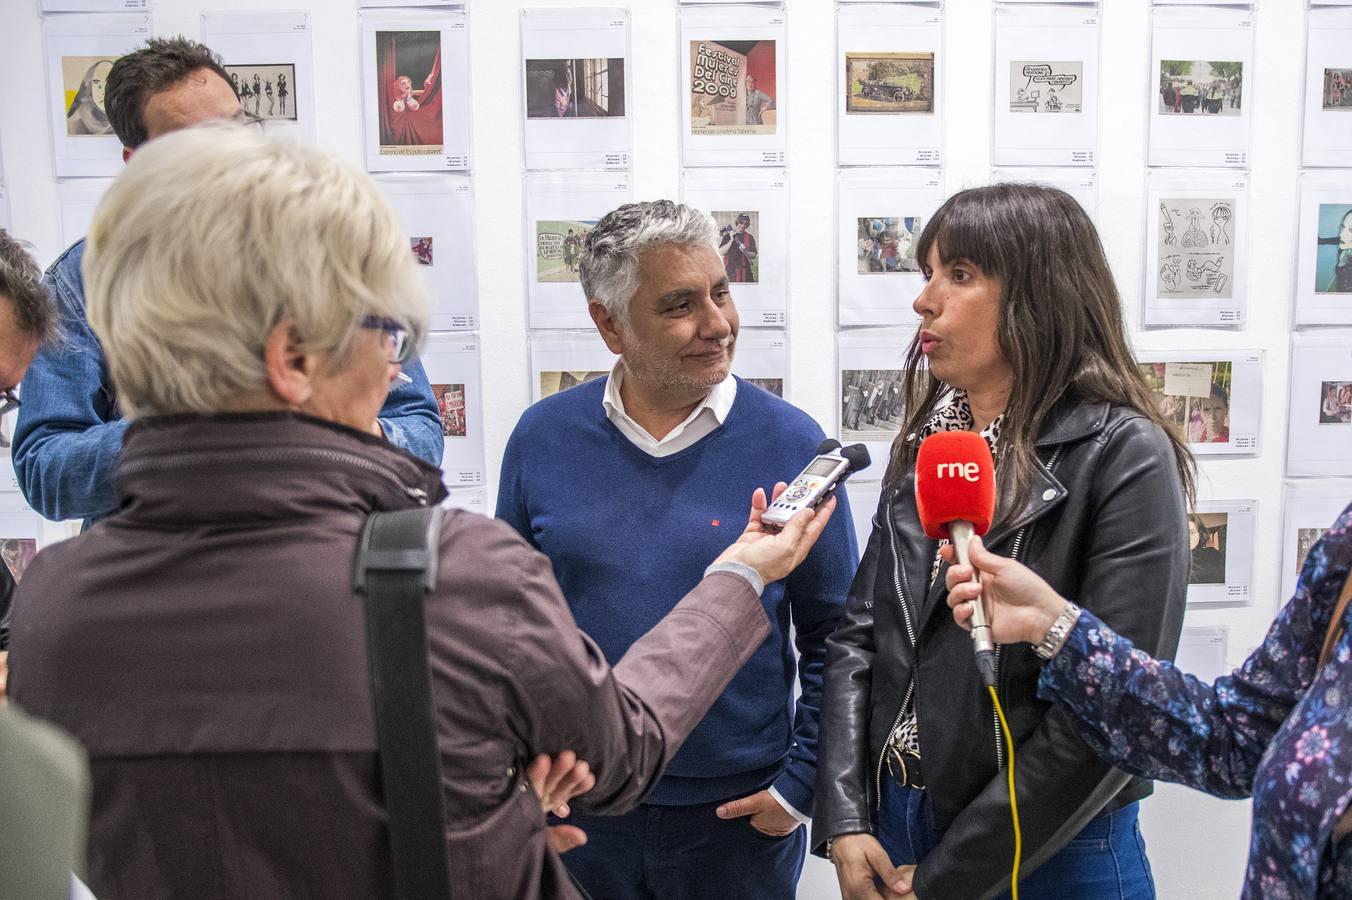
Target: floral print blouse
(1275, 728)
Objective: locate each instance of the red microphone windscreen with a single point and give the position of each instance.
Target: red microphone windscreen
(954, 479)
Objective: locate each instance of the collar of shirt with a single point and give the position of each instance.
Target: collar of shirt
(957, 416)
(711, 412)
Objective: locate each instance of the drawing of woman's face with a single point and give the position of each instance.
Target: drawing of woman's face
(405, 85)
(1345, 232)
(98, 77)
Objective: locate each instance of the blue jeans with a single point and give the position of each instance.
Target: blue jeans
(684, 853)
(1105, 861)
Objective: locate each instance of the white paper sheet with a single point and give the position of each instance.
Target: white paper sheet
(1212, 396)
(437, 212)
(1319, 439)
(473, 500)
(452, 364)
(734, 109)
(1201, 651)
(1328, 88)
(80, 50)
(269, 58)
(460, 4)
(562, 359)
(755, 257)
(1203, 47)
(1196, 244)
(762, 359)
(576, 88)
(889, 86)
(426, 54)
(1324, 254)
(1310, 508)
(1221, 541)
(864, 499)
(1046, 87)
(869, 368)
(77, 199)
(881, 215)
(561, 208)
(1082, 184)
(107, 6)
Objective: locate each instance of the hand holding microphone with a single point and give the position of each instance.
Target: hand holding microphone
(1019, 605)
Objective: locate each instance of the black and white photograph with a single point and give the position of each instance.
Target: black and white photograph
(870, 404)
(267, 92)
(1044, 86)
(270, 59)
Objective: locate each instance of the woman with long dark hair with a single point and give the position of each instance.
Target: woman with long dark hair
(1022, 341)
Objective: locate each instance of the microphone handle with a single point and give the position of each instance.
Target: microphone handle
(961, 534)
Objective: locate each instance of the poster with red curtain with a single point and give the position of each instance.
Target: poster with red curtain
(408, 72)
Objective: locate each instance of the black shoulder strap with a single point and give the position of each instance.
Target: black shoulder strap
(394, 570)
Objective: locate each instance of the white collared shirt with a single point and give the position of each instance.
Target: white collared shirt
(711, 412)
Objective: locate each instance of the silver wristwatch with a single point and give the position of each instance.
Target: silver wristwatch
(1055, 639)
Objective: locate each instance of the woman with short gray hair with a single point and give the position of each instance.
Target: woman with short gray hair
(204, 643)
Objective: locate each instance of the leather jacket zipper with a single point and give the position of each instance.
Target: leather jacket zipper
(220, 457)
(898, 577)
(995, 717)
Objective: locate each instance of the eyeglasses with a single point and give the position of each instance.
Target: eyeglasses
(9, 401)
(401, 348)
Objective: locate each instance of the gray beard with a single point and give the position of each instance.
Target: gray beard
(663, 372)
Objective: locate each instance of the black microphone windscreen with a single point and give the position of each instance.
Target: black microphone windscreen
(857, 454)
(827, 446)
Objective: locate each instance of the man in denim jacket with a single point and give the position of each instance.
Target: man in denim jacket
(69, 433)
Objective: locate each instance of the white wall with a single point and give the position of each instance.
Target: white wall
(1198, 845)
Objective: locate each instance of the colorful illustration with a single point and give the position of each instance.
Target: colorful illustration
(738, 233)
(887, 244)
(889, 83)
(1194, 396)
(558, 247)
(408, 90)
(451, 406)
(732, 87)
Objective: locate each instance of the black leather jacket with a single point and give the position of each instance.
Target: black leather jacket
(1105, 525)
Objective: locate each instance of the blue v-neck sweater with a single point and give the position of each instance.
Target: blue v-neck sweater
(629, 534)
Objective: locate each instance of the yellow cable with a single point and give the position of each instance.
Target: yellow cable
(1013, 800)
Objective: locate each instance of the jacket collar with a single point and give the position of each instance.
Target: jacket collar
(239, 468)
(1073, 419)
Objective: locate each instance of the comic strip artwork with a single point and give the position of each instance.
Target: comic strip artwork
(1196, 248)
(1045, 87)
(1195, 396)
(1208, 537)
(889, 83)
(738, 244)
(83, 80)
(408, 89)
(451, 407)
(553, 382)
(870, 404)
(266, 91)
(1203, 87)
(1333, 255)
(558, 247)
(574, 88)
(887, 244)
(732, 87)
(1338, 89)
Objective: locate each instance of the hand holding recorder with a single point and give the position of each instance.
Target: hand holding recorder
(776, 553)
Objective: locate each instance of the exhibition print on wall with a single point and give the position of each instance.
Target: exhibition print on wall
(1195, 396)
(266, 91)
(732, 87)
(870, 404)
(887, 244)
(1335, 402)
(773, 385)
(408, 90)
(1037, 86)
(574, 88)
(1338, 89)
(1306, 538)
(738, 244)
(451, 407)
(889, 83)
(1202, 87)
(1208, 540)
(558, 247)
(17, 554)
(422, 250)
(84, 80)
(553, 381)
(1333, 256)
(1196, 248)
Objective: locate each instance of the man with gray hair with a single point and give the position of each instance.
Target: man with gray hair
(626, 483)
(27, 321)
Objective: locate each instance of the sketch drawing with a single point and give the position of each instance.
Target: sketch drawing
(1045, 87)
(84, 79)
(1199, 261)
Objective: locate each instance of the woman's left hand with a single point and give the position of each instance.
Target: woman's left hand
(1020, 606)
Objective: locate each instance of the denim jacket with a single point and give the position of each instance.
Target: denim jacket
(69, 433)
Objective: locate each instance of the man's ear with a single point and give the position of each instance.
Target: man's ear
(289, 368)
(607, 326)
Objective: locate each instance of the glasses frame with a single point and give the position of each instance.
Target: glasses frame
(402, 350)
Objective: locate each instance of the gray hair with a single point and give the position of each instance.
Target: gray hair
(212, 236)
(21, 282)
(609, 265)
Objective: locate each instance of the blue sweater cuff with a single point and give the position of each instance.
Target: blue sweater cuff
(795, 789)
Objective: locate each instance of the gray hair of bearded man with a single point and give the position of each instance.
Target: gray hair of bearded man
(612, 252)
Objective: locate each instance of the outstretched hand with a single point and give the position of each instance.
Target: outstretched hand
(1020, 606)
(775, 555)
(556, 781)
